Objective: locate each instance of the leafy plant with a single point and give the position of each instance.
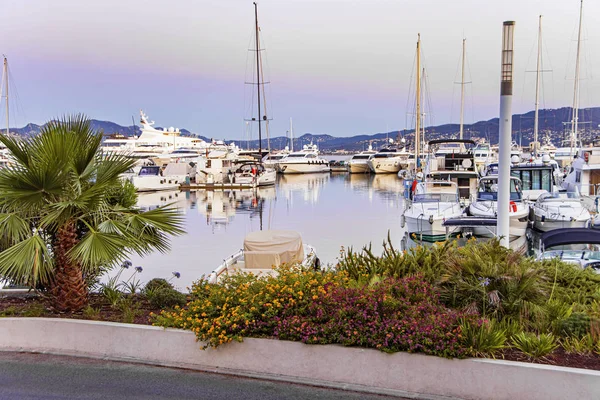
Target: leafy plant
(483, 338)
(130, 310)
(577, 325)
(583, 345)
(157, 283)
(90, 312)
(60, 219)
(164, 298)
(535, 346)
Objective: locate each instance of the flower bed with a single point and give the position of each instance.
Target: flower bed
(479, 300)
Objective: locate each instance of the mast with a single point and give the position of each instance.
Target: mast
(258, 81)
(291, 136)
(418, 107)
(575, 119)
(5, 73)
(265, 108)
(462, 91)
(537, 91)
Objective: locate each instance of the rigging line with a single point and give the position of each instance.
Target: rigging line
(409, 96)
(16, 108)
(471, 93)
(264, 100)
(454, 89)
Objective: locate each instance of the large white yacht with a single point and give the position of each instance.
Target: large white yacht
(358, 164)
(486, 205)
(152, 140)
(432, 203)
(272, 159)
(304, 161)
(389, 160)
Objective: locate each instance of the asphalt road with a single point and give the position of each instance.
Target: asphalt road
(39, 376)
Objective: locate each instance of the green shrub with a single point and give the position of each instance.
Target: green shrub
(577, 325)
(483, 338)
(157, 283)
(91, 313)
(535, 346)
(166, 298)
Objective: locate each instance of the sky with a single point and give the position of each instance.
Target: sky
(336, 67)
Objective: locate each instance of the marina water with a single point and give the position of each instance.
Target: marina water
(328, 210)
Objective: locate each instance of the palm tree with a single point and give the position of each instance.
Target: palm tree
(58, 219)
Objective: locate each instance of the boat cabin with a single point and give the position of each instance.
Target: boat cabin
(488, 189)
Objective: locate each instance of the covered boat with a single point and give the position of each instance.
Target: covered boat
(265, 250)
(580, 246)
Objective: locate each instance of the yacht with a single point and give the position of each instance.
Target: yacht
(388, 160)
(153, 177)
(358, 164)
(151, 140)
(432, 203)
(560, 210)
(304, 161)
(264, 251)
(457, 166)
(254, 174)
(272, 160)
(483, 154)
(485, 205)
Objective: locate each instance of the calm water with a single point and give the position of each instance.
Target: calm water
(329, 211)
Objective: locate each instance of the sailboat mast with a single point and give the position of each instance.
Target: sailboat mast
(258, 81)
(537, 91)
(418, 106)
(462, 91)
(575, 119)
(6, 85)
(291, 136)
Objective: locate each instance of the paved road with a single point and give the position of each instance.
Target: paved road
(38, 376)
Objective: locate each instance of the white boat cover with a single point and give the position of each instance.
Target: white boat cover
(176, 169)
(264, 249)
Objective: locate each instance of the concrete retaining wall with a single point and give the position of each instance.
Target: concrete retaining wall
(410, 375)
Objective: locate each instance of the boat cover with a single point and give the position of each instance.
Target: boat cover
(263, 249)
(564, 236)
(176, 169)
(470, 221)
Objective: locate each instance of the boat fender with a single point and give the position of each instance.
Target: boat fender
(512, 207)
(586, 157)
(317, 264)
(431, 220)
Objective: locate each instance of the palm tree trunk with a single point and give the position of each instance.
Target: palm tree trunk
(69, 292)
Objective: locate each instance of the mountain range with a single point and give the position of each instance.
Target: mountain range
(551, 123)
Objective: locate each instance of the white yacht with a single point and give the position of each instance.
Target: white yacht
(265, 250)
(560, 210)
(432, 203)
(253, 174)
(153, 177)
(305, 161)
(272, 160)
(486, 206)
(358, 164)
(483, 154)
(152, 140)
(389, 160)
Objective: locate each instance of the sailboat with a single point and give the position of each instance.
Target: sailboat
(569, 148)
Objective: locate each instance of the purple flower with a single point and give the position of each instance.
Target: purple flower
(139, 269)
(126, 264)
(176, 274)
(484, 281)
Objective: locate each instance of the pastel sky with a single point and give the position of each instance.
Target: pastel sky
(336, 66)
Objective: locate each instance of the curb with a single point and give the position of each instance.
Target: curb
(361, 370)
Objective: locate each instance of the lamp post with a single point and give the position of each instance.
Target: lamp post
(505, 130)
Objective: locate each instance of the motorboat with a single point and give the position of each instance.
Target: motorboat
(272, 160)
(432, 203)
(483, 154)
(560, 210)
(457, 165)
(579, 246)
(486, 205)
(264, 251)
(153, 177)
(305, 161)
(252, 174)
(388, 160)
(358, 163)
(538, 176)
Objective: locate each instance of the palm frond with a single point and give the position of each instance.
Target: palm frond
(27, 262)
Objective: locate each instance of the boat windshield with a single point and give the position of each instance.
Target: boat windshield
(435, 198)
(361, 156)
(534, 178)
(150, 171)
(297, 155)
(488, 190)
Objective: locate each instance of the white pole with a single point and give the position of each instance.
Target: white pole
(575, 120)
(505, 129)
(291, 136)
(462, 91)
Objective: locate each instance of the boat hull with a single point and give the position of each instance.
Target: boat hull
(359, 168)
(303, 168)
(518, 220)
(549, 225)
(156, 183)
(423, 230)
(385, 166)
